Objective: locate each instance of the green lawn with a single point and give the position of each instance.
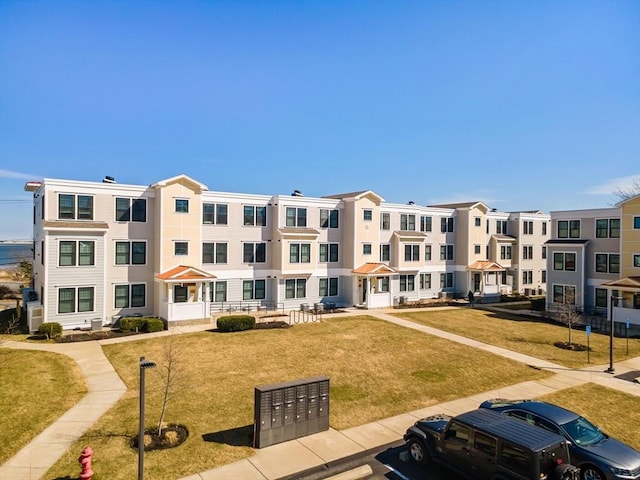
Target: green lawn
(525, 335)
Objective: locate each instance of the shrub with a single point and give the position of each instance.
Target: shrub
(50, 329)
(5, 292)
(153, 325)
(141, 324)
(236, 323)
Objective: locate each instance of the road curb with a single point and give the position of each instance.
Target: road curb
(355, 474)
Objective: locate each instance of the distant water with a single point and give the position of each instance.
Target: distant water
(12, 254)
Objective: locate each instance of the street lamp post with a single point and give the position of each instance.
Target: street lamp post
(144, 364)
(611, 325)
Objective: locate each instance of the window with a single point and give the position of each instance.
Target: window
(215, 213)
(296, 217)
(214, 252)
(385, 221)
(367, 214)
(459, 432)
(527, 277)
(182, 205)
(427, 253)
(501, 227)
(543, 274)
(295, 288)
(254, 216)
(328, 287)
(366, 249)
(485, 443)
(407, 283)
(601, 297)
(476, 249)
(411, 253)
(131, 253)
(383, 284)
(568, 228)
(544, 252)
(564, 261)
(607, 262)
(636, 223)
(133, 295)
(328, 252)
(299, 253)
(385, 252)
(407, 222)
(515, 457)
(477, 221)
(180, 294)
(131, 209)
(527, 227)
(446, 224)
(527, 252)
(505, 252)
(253, 289)
(329, 218)
(608, 228)
(71, 300)
(181, 248)
(71, 253)
(446, 280)
(426, 223)
(446, 252)
(254, 252)
(564, 294)
(636, 260)
(75, 207)
(218, 291)
(425, 281)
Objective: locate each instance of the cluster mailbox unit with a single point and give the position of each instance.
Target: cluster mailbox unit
(289, 410)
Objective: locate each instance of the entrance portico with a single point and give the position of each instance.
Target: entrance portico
(372, 286)
(184, 293)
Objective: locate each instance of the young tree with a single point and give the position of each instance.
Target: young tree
(569, 314)
(173, 370)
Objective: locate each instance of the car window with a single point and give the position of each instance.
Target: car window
(547, 425)
(485, 443)
(583, 432)
(515, 458)
(526, 416)
(459, 432)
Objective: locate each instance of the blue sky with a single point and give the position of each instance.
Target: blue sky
(520, 104)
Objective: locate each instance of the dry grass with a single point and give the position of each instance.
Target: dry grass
(376, 370)
(35, 389)
(524, 335)
(617, 413)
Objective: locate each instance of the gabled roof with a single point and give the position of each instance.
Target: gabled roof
(486, 266)
(183, 273)
(498, 237)
(469, 205)
(629, 282)
(628, 200)
(372, 268)
(357, 196)
(181, 178)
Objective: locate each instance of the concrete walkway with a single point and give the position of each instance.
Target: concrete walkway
(285, 459)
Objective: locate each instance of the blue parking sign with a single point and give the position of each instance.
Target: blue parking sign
(588, 329)
(627, 324)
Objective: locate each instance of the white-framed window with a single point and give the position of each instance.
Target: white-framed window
(366, 249)
(564, 294)
(218, 291)
(544, 228)
(130, 295)
(131, 253)
(383, 284)
(181, 205)
(636, 260)
(527, 226)
(180, 248)
(544, 252)
(568, 228)
(295, 288)
(254, 252)
(425, 281)
(254, 216)
(329, 218)
(427, 252)
(607, 262)
(407, 222)
(426, 223)
(601, 297)
(407, 283)
(299, 253)
(385, 252)
(505, 252)
(385, 221)
(214, 252)
(543, 274)
(73, 253)
(476, 249)
(367, 215)
(501, 227)
(215, 213)
(527, 277)
(253, 289)
(75, 299)
(477, 221)
(636, 223)
(608, 228)
(446, 280)
(412, 252)
(75, 207)
(328, 252)
(296, 217)
(446, 224)
(527, 252)
(328, 287)
(446, 252)
(131, 209)
(564, 261)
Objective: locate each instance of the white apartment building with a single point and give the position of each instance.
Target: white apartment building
(179, 251)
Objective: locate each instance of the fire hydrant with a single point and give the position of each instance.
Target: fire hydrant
(85, 463)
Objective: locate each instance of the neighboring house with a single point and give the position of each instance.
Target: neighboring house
(593, 262)
(179, 251)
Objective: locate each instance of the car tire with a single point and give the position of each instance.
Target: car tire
(589, 472)
(418, 451)
(566, 471)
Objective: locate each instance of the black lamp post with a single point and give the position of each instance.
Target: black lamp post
(144, 364)
(611, 325)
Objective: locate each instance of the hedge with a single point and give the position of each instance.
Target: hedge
(141, 324)
(50, 329)
(236, 323)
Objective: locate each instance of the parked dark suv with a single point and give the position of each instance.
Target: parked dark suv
(484, 445)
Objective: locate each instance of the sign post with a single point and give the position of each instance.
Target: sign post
(627, 330)
(588, 330)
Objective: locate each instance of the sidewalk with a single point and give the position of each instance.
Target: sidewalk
(288, 458)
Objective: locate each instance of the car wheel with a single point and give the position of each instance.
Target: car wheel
(566, 471)
(589, 472)
(418, 451)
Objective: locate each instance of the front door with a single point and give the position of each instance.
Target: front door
(476, 282)
(365, 287)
